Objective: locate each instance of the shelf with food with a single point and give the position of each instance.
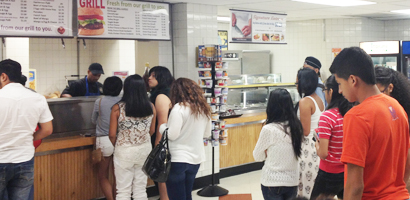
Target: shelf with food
(205, 78)
(222, 78)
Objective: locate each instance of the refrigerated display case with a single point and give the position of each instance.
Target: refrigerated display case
(406, 57)
(385, 54)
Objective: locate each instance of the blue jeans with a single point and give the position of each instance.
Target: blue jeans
(181, 181)
(279, 193)
(17, 179)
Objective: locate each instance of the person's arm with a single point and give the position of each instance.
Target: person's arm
(152, 129)
(305, 115)
(322, 148)
(407, 170)
(96, 110)
(354, 182)
(265, 140)
(44, 130)
(174, 124)
(324, 130)
(162, 105)
(208, 129)
(74, 89)
(115, 113)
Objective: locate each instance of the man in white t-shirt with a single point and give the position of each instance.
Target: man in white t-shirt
(21, 111)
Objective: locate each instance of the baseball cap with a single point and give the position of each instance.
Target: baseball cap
(314, 62)
(96, 68)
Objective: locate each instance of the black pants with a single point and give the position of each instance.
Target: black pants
(328, 184)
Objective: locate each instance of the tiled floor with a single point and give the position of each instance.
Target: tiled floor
(248, 183)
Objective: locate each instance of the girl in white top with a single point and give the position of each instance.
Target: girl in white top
(189, 122)
(132, 123)
(309, 111)
(279, 144)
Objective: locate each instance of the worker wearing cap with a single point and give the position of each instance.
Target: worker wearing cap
(313, 63)
(87, 86)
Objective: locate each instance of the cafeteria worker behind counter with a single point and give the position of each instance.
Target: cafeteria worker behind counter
(87, 86)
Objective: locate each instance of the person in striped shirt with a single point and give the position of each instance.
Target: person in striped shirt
(329, 142)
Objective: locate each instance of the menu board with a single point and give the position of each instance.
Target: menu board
(257, 27)
(123, 19)
(36, 18)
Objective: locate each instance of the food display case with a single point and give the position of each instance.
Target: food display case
(250, 92)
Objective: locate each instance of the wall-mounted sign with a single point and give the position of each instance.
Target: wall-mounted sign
(123, 19)
(32, 77)
(257, 27)
(51, 18)
(121, 74)
(381, 47)
(223, 39)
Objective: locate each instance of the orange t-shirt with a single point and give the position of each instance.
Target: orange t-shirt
(376, 137)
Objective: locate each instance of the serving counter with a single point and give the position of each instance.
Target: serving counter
(62, 163)
(243, 135)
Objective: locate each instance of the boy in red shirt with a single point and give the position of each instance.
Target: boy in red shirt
(376, 132)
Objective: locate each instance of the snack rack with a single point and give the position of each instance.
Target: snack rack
(212, 78)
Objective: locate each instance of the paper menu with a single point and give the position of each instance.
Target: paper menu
(36, 18)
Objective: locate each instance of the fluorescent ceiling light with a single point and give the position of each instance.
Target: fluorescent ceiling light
(338, 2)
(406, 11)
(224, 19)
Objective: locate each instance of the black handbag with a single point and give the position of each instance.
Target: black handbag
(158, 163)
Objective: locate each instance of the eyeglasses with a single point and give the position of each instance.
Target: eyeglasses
(384, 90)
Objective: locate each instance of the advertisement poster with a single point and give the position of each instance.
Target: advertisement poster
(121, 74)
(223, 39)
(51, 18)
(335, 52)
(32, 77)
(123, 19)
(256, 27)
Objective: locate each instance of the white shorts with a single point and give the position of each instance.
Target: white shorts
(105, 145)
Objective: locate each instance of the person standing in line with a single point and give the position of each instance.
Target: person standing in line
(310, 109)
(22, 110)
(133, 119)
(314, 64)
(101, 117)
(189, 122)
(87, 86)
(280, 146)
(160, 81)
(330, 178)
(376, 132)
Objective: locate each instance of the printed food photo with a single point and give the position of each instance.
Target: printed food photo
(90, 21)
(265, 37)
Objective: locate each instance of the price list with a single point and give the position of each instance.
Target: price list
(35, 17)
(135, 20)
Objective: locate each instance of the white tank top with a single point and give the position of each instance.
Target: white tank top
(314, 120)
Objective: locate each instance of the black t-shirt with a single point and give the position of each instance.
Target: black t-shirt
(78, 88)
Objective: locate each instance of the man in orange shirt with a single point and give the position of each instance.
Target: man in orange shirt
(376, 132)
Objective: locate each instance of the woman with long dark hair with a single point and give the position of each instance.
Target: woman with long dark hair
(101, 117)
(189, 122)
(310, 108)
(330, 178)
(280, 146)
(131, 125)
(160, 81)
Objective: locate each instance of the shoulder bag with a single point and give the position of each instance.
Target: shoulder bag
(158, 163)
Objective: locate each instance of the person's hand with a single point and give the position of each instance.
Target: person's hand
(317, 146)
(246, 30)
(233, 19)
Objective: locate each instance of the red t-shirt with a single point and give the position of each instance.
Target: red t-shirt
(331, 128)
(376, 137)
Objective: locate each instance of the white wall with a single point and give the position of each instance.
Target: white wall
(314, 38)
